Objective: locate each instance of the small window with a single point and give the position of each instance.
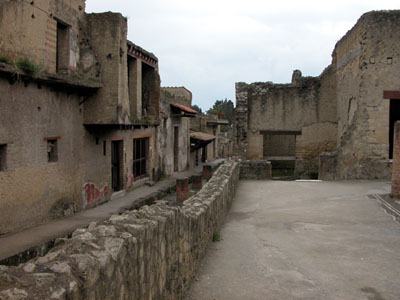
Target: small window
(52, 150)
(105, 148)
(3, 158)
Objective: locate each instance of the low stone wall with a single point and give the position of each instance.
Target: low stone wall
(256, 170)
(150, 253)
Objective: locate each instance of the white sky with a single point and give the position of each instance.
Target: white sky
(209, 45)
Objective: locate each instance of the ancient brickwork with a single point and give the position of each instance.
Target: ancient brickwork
(396, 162)
(277, 113)
(28, 29)
(241, 121)
(150, 253)
(367, 61)
(341, 112)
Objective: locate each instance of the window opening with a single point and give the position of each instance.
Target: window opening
(52, 151)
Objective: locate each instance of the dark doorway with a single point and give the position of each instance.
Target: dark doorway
(176, 149)
(280, 149)
(140, 154)
(204, 154)
(116, 161)
(394, 116)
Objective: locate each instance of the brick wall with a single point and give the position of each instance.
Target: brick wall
(396, 161)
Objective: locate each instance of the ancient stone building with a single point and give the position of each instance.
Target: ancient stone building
(174, 139)
(335, 126)
(79, 110)
(204, 138)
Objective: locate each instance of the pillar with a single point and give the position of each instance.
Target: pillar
(197, 182)
(207, 172)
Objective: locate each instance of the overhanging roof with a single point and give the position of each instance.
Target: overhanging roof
(200, 139)
(201, 136)
(187, 111)
(218, 122)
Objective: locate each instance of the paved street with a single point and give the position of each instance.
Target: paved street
(304, 240)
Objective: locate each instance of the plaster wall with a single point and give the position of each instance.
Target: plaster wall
(33, 190)
(167, 135)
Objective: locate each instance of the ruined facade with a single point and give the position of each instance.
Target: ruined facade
(204, 139)
(174, 139)
(79, 110)
(337, 125)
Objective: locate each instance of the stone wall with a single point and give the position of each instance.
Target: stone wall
(107, 33)
(297, 115)
(367, 63)
(28, 29)
(150, 253)
(341, 112)
(256, 170)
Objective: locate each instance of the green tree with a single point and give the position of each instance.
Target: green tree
(223, 109)
(197, 108)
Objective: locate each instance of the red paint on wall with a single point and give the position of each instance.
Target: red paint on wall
(93, 196)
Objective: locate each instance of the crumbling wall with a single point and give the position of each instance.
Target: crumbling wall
(181, 95)
(28, 29)
(150, 253)
(255, 170)
(107, 33)
(366, 63)
(240, 120)
(295, 109)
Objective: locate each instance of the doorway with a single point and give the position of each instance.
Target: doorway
(116, 164)
(176, 149)
(394, 116)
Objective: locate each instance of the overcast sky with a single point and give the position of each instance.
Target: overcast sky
(208, 45)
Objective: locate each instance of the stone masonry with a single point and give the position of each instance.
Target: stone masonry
(341, 115)
(150, 253)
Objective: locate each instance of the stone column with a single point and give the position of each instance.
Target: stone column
(207, 172)
(396, 161)
(197, 182)
(182, 189)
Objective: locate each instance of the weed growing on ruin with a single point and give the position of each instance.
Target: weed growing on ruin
(77, 76)
(216, 237)
(29, 68)
(4, 59)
